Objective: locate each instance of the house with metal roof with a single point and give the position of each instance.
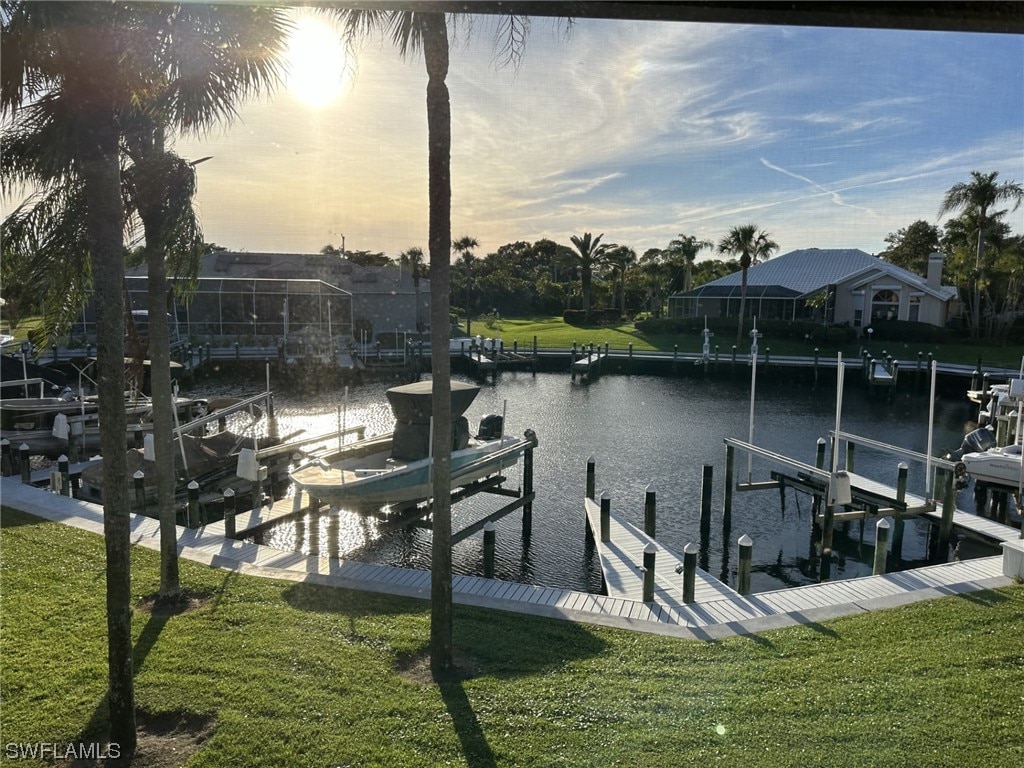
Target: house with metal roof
(836, 286)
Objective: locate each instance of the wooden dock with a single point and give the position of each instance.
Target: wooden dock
(716, 614)
(622, 558)
(590, 364)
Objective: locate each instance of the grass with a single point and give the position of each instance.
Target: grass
(554, 333)
(298, 675)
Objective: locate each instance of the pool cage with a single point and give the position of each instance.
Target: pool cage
(306, 315)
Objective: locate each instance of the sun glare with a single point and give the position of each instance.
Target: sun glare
(316, 63)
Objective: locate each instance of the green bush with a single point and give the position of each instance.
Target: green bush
(904, 330)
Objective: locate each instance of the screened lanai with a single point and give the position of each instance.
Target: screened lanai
(249, 311)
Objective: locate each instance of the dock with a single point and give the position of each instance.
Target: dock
(709, 618)
(622, 558)
(590, 364)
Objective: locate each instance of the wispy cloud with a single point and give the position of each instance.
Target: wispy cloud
(831, 193)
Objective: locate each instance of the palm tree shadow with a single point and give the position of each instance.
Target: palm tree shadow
(472, 738)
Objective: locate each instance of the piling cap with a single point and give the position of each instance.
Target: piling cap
(650, 549)
(821, 441)
(488, 527)
(591, 460)
(882, 523)
(139, 474)
(690, 548)
(62, 458)
(605, 495)
(902, 466)
(650, 488)
(746, 541)
(229, 492)
(23, 447)
(193, 486)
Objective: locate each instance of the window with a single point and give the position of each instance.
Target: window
(858, 317)
(915, 309)
(885, 306)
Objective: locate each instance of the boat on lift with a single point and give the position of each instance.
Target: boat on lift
(396, 469)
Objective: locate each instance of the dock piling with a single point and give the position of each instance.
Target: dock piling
(705, 496)
(881, 539)
(650, 552)
(689, 571)
(746, 546)
(229, 513)
(64, 467)
(948, 508)
(24, 460)
(606, 516)
(729, 460)
(590, 477)
(193, 504)
(6, 462)
(489, 548)
(898, 523)
(139, 482)
(650, 510)
(528, 490)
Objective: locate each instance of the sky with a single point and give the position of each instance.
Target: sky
(641, 131)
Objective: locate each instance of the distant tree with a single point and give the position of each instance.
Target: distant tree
(589, 255)
(464, 247)
(751, 246)
(368, 258)
(619, 258)
(683, 251)
(910, 247)
(412, 259)
(977, 197)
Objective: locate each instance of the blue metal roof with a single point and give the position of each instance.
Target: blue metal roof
(808, 271)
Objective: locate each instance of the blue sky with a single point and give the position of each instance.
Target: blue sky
(638, 130)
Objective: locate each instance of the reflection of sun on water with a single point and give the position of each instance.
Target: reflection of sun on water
(316, 62)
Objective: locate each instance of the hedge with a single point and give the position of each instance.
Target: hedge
(799, 330)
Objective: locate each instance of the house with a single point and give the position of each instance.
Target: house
(260, 295)
(838, 286)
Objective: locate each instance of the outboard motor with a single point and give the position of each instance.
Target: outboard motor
(491, 427)
(978, 441)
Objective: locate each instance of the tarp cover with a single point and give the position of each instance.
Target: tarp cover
(411, 404)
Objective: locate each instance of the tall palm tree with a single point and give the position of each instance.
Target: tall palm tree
(751, 246)
(464, 247)
(412, 259)
(977, 197)
(590, 253)
(411, 31)
(620, 258)
(75, 77)
(684, 249)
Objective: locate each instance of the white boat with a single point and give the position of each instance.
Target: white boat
(395, 469)
(1000, 466)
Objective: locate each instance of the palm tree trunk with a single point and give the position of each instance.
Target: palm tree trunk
(102, 181)
(439, 137)
(743, 303)
(153, 189)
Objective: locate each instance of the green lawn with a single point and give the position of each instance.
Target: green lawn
(554, 333)
(297, 675)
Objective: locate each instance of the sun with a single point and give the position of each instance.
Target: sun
(316, 63)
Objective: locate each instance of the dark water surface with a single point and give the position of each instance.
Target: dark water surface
(646, 430)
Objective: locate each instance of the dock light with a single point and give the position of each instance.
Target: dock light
(839, 489)
(679, 568)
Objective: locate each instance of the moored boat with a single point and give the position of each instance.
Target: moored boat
(396, 469)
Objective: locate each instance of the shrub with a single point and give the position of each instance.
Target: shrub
(904, 330)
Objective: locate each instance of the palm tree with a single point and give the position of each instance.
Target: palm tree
(751, 246)
(412, 259)
(589, 254)
(411, 31)
(977, 197)
(464, 246)
(684, 249)
(75, 77)
(620, 258)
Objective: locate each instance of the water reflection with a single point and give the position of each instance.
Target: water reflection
(643, 430)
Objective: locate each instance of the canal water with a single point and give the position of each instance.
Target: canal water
(646, 430)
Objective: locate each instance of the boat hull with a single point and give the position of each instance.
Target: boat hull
(995, 466)
(370, 480)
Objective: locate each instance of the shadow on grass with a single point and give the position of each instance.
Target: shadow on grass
(471, 735)
(319, 598)
(13, 518)
(988, 598)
